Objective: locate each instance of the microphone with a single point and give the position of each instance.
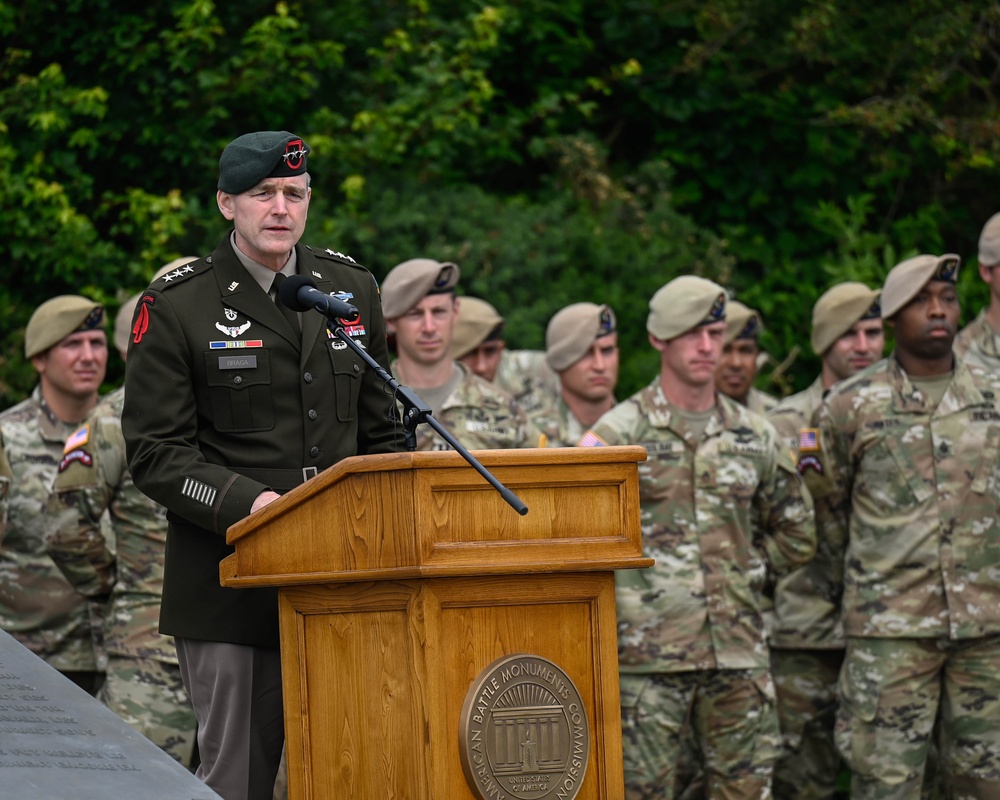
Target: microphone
(299, 293)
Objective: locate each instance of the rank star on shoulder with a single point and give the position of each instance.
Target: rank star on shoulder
(340, 255)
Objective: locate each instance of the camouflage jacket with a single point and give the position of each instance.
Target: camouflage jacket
(556, 426)
(807, 600)
(38, 606)
(917, 489)
(716, 513)
(97, 480)
(478, 414)
(525, 376)
(760, 402)
(978, 343)
(795, 412)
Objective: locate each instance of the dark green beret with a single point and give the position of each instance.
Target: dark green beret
(249, 159)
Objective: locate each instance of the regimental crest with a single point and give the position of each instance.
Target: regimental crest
(947, 269)
(717, 313)
(295, 153)
(751, 330)
(606, 322)
(524, 731)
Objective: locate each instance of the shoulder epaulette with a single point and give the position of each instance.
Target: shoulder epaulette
(334, 255)
(181, 274)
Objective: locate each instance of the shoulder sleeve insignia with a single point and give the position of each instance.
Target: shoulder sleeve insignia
(809, 440)
(591, 439)
(77, 438)
(807, 463)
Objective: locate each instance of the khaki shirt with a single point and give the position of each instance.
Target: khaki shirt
(716, 513)
(910, 493)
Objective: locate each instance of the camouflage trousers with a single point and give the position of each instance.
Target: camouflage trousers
(150, 696)
(893, 690)
(732, 716)
(806, 684)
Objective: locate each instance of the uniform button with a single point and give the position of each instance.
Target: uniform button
(313, 414)
(314, 452)
(308, 378)
(238, 379)
(357, 368)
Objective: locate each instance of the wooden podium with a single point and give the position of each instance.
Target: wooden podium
(402, 577)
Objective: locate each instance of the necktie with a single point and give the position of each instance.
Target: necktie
(286, 312)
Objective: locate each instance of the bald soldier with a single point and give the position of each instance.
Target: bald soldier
(738, 365)
(420, 306)
(478, 342)
(904, 461)
(807, 640)
(581, 347)
(67, 345)
(979, 341)
(143, 685)
(720, 502)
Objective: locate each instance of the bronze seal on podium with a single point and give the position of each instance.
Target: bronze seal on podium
(524, 731)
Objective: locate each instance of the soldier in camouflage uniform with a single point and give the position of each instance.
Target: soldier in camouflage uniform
(581, 347)
(979, 342)
(738, 365)
(420, 307)
(478, 343)
(905, 463)
(807, 641)
(67, 345)
(720, 502)
(143, 683)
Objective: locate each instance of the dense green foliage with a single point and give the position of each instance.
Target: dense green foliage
(558, 151)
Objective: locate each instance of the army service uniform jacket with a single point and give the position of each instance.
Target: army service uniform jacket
(911, 493)
(224, 400)
(716, 512)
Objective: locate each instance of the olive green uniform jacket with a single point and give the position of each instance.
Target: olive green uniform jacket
(224, 400)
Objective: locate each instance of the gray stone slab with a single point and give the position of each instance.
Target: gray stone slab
(59, 743)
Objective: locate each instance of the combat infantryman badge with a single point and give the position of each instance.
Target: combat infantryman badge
(523, 731)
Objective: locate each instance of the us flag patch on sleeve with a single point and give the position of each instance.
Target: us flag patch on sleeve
(77, 438)
(591, 439)
(809, 440)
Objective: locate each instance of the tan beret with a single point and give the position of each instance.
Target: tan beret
(741, 322)
(989, 242)
(410, 282)
(57, 318)
(838, 309)
(907, 278)
(685, 303)
(573, 330)
(476, 320)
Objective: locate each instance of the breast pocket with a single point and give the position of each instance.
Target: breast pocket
(346, 380)
(240, 392)
(891, 476)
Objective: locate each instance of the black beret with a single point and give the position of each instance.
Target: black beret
(249, 159)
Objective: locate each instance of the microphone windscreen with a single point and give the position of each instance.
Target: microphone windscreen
(288, 292)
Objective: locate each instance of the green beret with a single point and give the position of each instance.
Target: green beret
(685, 303)
(907, 278)
(837, 311)
(989, 242)
(572, 332)
(742, 322)
(249, 159)
(57, 318)
(410, 282)
(477, 322)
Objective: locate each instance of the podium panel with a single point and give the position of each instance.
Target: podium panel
(376, 675)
